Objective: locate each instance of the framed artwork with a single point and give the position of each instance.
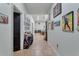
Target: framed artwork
(68, 22)
(27, 24)
(3, 18)
(57, 23)
(49, 25)
(78, 19)
(57, 10)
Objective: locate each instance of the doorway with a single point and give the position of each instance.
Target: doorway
(16, 31)
(46, 32)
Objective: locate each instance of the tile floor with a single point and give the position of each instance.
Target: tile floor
(39, 48)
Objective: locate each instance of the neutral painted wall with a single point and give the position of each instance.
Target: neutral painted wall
(6, 46)
(68, 42)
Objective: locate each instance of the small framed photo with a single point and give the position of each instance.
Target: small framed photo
(3, 18)
(57, 9)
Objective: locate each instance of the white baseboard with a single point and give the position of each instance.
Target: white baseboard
(54, 49)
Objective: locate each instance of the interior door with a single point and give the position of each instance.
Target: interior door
(16, 32)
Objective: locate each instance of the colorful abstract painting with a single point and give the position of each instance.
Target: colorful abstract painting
(68, 22)
(78, 20)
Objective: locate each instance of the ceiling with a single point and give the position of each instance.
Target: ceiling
(38, 8)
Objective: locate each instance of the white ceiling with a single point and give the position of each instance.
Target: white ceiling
(38, 8)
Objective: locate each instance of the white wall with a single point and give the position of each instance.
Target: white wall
(6, 46)
(68, 42)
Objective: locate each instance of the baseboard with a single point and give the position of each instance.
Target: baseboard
(54, 49)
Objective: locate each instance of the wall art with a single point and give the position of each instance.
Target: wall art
(57, 10)
(68, 22)
(27, 24)
(3, 18)
(78, 19)
(57, 23)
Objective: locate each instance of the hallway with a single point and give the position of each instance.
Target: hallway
(39, 48)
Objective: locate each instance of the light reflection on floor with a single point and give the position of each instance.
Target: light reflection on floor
(39, 48)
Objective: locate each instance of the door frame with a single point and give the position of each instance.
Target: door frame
(19, 30)
(20, 25)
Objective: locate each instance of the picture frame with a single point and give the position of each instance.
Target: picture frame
(68, 22)
(57, 23)
(3, 18)
(57, 10)
(27, 24)
(48, 25)
(78, 19)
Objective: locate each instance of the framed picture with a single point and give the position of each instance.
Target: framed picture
(57, 23)
(68, 22)
(48, 25)
(78, 19)
(57, 10)
(27, 24)
(3, 18)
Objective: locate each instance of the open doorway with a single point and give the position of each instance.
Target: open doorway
(16, 30)
(46, 32)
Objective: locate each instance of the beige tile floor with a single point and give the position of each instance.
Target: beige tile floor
(39, 48)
